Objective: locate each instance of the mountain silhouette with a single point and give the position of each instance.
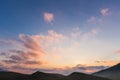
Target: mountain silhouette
(35, 76)
(82, 76)
(5, 75)
(111, 73)
(47, 76)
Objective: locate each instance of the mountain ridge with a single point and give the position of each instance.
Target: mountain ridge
(111, 72)
(47, 76)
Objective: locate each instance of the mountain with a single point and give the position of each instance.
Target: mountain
(82, 76)
(47, 76)
(5, 75)
(112, 72)
(35, 76)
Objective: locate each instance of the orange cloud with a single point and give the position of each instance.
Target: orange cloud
(36, 51)
(31, 49)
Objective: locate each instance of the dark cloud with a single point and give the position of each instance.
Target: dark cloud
(85, 68)
(16, 58)
(3, 53)
(9, 61)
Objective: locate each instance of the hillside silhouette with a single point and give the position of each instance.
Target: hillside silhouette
(47, 76)
(112, 72)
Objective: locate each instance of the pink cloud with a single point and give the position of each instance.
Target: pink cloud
(89, 34)
(92, 19)
(104, 11)
(52, 38)
(34, 47)
(117, 52)
(48, 17)
(75, 32)
(31, 49)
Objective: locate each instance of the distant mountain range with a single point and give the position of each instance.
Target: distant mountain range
(82, 76)
(47, 76)
(112, 73)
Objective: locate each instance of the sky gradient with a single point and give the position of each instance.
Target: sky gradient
(59, 36)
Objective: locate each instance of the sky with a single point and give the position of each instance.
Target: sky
(60, 36)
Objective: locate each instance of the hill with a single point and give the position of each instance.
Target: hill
(112, 72)
(82, 76)
(47, 76)
(5, 75)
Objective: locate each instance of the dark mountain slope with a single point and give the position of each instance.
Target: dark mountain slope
(4, 75)
(47, 76)
(82, 76)
(35, 76)
(112, 72)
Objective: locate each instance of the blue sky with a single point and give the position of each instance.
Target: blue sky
(27, 16)
(47, 32)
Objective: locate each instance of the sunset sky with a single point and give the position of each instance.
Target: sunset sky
(60, 36)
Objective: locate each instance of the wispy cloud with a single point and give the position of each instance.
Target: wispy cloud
(104, 11)
(48, 17)
(33, 48)
(90, 34)
(77, 68)
(30, 49)
(92, 19)
(75, 32)
(89, 69)
(107, 62)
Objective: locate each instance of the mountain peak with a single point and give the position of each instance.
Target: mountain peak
(118, 64)
(115, 67)
(76, 74)
(112, 72)
(38, 73)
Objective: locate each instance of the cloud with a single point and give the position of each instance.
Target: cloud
(92, 19)
(48, 17)
(53, 37)
(89, 34)
(107, 62)
(75, 32)
(117, 52)
(77, 68)
(95, 19)
(101, 61)
(8, 41)
(36, 51)
(88, 69)
(32, 45)
(104, 11)
(30, 50)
